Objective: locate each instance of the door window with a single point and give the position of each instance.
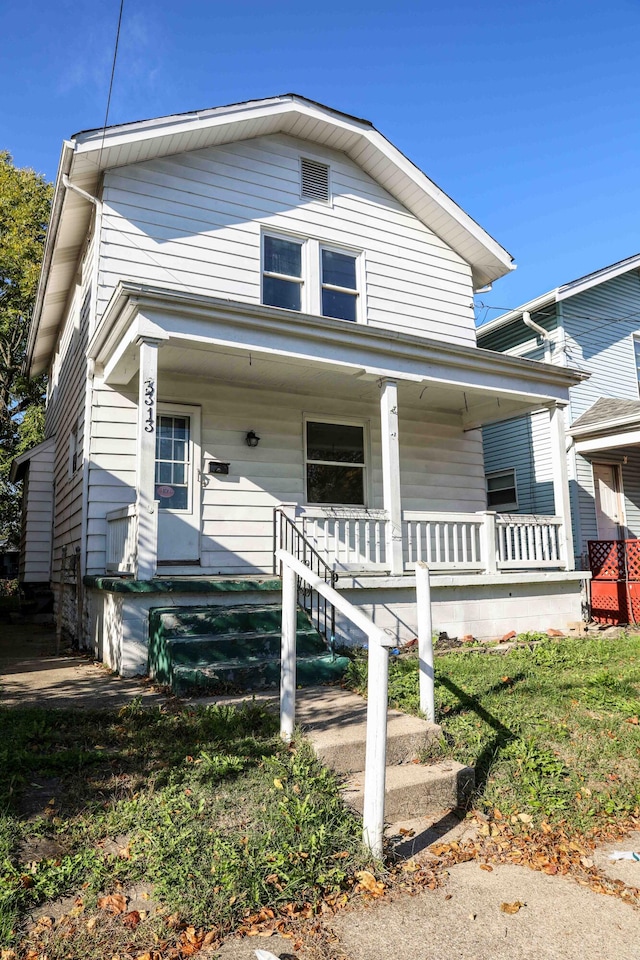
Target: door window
(173, 446)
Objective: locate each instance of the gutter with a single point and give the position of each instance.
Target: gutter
(129, 296)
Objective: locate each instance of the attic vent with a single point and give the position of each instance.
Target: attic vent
(315, 179)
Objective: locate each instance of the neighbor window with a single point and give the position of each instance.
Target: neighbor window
(501, 490)
(636, 349)
(339, 284)
(282, 273)
(335, 462)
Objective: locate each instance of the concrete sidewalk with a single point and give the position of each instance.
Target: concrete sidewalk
(31, 675)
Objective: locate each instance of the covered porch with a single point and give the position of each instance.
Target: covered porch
(410, 408)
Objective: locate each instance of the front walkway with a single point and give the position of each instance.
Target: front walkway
(31, 675)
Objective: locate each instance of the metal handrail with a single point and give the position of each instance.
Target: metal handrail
(287, 536)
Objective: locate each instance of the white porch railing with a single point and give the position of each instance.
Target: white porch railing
(346, 538)
(444, 541)
(353, 539)
(528, 542)
(122, 539)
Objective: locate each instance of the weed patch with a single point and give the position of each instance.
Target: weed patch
(206, 807)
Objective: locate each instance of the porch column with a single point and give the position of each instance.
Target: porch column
(147, 508)
(391, 474)
(561, 482)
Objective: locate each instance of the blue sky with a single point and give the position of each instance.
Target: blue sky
(526, 113)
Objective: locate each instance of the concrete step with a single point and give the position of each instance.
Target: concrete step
(335, 721)
(414, 789)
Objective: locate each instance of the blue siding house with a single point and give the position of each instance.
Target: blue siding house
(593, 324)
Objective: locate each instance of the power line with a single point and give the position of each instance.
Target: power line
(113, 70)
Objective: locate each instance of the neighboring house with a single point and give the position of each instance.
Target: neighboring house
(267, 304)
(592, 323)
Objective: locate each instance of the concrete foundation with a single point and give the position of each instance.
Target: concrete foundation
(485, 607)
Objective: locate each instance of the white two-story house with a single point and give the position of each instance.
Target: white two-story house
(268, 304)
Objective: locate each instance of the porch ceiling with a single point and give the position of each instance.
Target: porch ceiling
(265, 348)
(206, 363)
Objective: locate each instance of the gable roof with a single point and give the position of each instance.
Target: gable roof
(563, 292)
(89, 153)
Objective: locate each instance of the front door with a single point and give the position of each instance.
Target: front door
(176, 486)
(608, 493)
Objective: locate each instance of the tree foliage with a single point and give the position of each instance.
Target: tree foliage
(25, 203)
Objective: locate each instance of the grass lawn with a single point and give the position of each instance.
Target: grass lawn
(202, 817)
(552, 731)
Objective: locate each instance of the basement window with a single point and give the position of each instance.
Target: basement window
(501, 490)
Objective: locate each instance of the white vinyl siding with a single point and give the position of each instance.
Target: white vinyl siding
(441, 467)
(194, 222)
(65, 414)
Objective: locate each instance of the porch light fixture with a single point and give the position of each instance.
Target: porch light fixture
(252, 439)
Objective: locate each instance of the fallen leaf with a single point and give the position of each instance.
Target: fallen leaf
(277, 782)
(633, 720)
(115, 903)
(512, 907)
(525, 818)
(368, 882)
(487, 867)
(131, 919)
(91, 922)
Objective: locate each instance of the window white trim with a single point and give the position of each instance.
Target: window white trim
(508, 472)
(311, 285)
(304, 286)
(366, 465)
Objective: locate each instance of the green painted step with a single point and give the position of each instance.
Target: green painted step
(238, 646)
(238, 675)
(232, 648)
(196, 621)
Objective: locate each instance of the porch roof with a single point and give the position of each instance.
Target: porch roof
(261, 346)
(609, 423)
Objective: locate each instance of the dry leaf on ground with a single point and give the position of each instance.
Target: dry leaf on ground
(511, 907)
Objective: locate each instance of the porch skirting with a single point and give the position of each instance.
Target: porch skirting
(485, 606)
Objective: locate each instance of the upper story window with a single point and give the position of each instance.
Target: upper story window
(303, 274)
(282, 273)
(339, 285)
(636, 350)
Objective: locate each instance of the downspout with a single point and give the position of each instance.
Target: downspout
(544, 334)
(88, 397)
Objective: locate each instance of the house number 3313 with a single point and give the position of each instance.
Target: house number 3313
(150, 402)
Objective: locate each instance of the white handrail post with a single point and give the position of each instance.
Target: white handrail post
(376, 748)
(425, 642)
(561, 483)
(489, 541)
(288, 653)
